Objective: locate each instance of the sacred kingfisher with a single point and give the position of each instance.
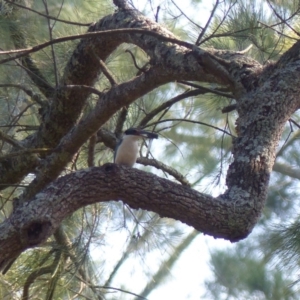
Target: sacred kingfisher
(126, 152)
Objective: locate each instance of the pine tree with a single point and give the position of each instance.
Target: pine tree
(221, 92)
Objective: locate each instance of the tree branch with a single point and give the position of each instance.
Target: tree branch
(286, 170)
(114, 32)
(33, 222)
(161, 166)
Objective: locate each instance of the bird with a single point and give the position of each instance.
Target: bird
(127, 149)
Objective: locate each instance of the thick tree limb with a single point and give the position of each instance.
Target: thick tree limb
(34, 221)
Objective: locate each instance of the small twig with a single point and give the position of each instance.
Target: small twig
(39, 272)
(106, 71)
(277, 31)
(50, 29)
(281, 19)
(123, 113)
(47, 16)
(120, 290)
(59, 11)
(28, 62)
(167, 169)
(162, 115)
(191, 121)
(30, 73)
(294, 122)
(287, 19)
(286, 140)
(274, 51)
(292, 140)
(19, 115)
(167, 104)
(226, 34)
(213, 34)
(143, 69)
(207, 23)
(221, 155)
(157, 12)
(207, 90)
(190, 20)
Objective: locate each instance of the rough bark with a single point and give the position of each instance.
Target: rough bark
(266, 98)
(32, 222)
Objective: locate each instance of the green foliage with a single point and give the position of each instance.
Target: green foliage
(240, 273)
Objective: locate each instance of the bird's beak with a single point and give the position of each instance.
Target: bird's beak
(148, 134)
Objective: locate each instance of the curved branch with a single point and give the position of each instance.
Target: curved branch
(33, 222)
